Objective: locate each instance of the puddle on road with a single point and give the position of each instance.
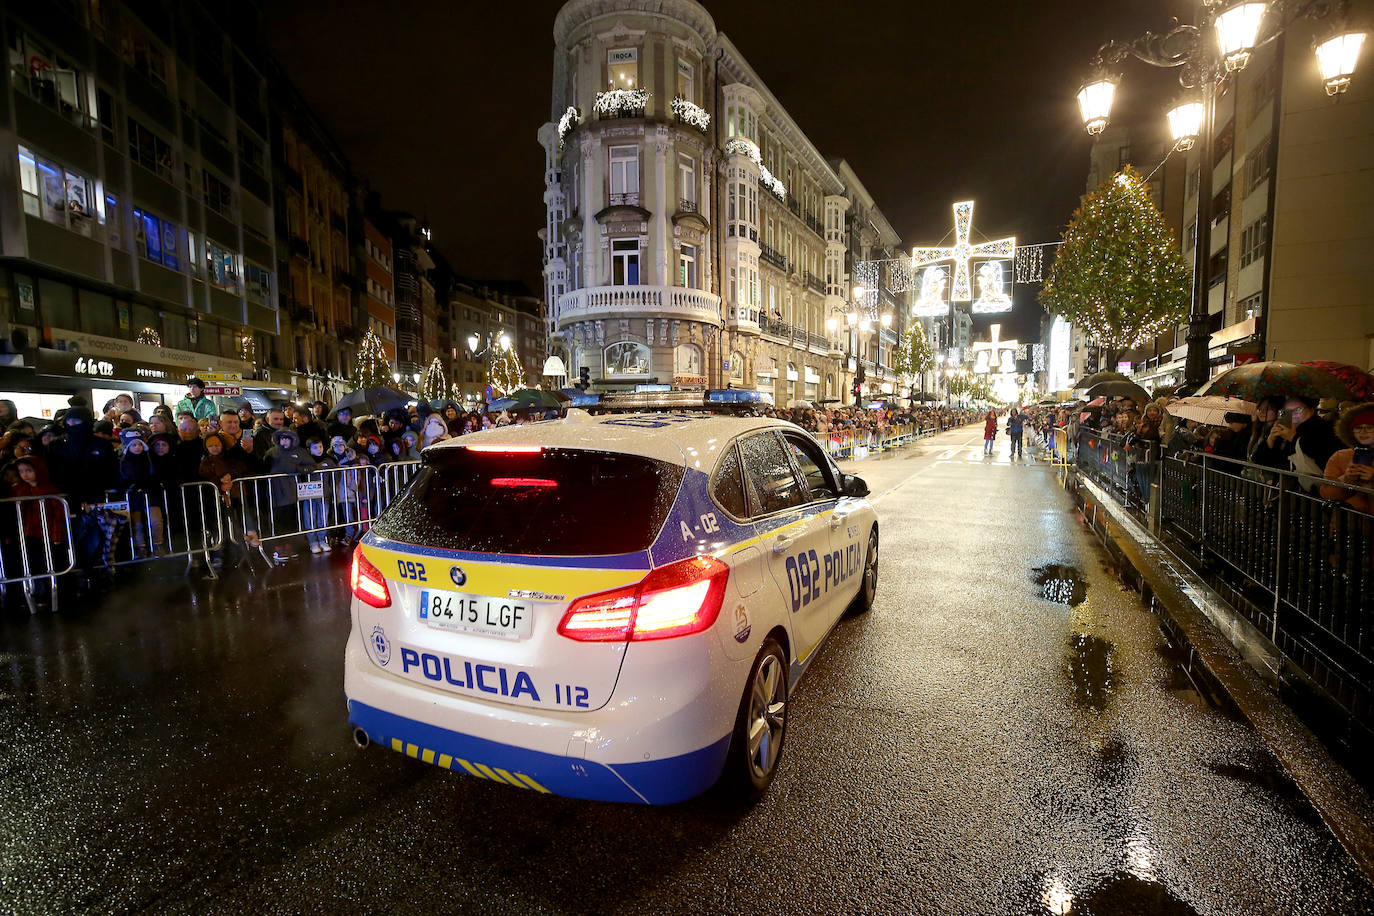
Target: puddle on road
(1090, 670)
(1123, 894)
(1061, 584)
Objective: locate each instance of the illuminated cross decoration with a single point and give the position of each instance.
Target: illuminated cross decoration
(963, 251)
(1001, 354)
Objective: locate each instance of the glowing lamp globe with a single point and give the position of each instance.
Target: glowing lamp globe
(1095, 104)
(1237, 31)
(1185, 124)
(1337, 58)
(886, 319)
(852, 318)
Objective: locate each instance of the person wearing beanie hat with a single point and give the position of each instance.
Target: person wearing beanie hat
(195, 401)
(136, 479)
(1354, 465)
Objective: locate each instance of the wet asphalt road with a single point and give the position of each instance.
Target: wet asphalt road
(967, 747)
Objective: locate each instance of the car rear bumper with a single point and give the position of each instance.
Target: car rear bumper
(606, 755)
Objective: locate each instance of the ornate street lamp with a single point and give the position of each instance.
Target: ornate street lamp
(1185, 123)
(1237, 32)
(1337, 57)
(1095, 103)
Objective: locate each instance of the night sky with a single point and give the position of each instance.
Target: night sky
(437, 103)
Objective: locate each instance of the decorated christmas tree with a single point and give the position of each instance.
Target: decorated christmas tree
(433, 384)
(504, 374)
(372, 370)
(1119, 276)
(913, 354)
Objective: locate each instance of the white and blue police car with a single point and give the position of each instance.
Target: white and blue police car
(611, 607)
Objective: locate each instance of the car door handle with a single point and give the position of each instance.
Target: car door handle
(782, 543)
(838, 518)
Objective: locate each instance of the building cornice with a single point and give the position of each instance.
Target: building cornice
(579, 12)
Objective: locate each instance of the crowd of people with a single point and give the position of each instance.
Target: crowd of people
(1328, 445)
(824, 421)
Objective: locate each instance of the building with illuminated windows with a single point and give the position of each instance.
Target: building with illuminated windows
(694, 235)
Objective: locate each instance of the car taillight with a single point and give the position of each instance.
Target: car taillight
(367, 581)
(674, 600)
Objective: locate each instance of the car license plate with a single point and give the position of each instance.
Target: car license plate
(508, 618)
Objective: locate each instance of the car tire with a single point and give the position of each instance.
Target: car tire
(760, 726)
(868, 585)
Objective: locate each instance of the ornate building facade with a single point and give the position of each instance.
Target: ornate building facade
(694, 235)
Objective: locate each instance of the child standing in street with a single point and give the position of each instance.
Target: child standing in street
(989, 431)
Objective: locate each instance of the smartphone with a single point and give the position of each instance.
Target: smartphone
(1285, 418)
(1363, 455)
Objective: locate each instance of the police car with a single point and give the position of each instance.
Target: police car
(612, 607)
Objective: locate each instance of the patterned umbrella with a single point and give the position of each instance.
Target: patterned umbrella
(1209, 410)
(1361, 382)
(1255, 381)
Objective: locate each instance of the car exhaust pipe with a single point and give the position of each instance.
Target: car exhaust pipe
(360, 738)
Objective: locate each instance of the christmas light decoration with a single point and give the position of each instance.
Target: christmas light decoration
(1030, 261)
(772, 184)
(689, 113)
(150, 337)
(739, 146)
(372, 370)
(615, 101)
(566, 124)
(991, 299)
(434, 385)
(504, 374)
(931, 302)
(963, 251)
(1119, 275)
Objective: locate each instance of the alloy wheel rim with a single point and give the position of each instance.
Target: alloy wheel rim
(871, 568)
(767, 717)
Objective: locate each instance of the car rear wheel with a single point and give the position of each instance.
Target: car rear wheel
(868, 588)
(760, 726)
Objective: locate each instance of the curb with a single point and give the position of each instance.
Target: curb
(1242, 668)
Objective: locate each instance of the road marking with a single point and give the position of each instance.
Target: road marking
(888, 492)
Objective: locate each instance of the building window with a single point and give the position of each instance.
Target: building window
(149, 150)
(156, 239)
(687, 267)
(1252, 239)
(258, 283)
(1193, 179)
(687, 177)
(1251, 306)
(1216, 268)
(624, 174)
(622, 68)
(222, 267)
(1190, 237)
(1123, 157)
(1257, 165)
(686, 81)
(58, 195)
(141, 53)
(625, 262)
(250, 152)
(218, 197)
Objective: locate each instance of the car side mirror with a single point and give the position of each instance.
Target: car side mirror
(854, 486)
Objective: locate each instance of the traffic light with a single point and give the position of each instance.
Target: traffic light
(858, 390)
(584, 378)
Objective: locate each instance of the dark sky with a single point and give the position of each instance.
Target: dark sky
(437, 102)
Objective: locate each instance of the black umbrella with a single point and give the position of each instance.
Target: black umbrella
(371, 401)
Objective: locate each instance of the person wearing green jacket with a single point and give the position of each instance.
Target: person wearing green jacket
(195, 401)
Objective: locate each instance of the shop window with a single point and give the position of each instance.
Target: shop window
(150, 151)
(218, 196)
(622, 68)
(59, 195)
(222, 267)
(157, 239)
(257, 283)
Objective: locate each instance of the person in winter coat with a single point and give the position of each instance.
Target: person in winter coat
(136, 480)
(435, 430)
(40, 540)
(1015, 424)
(989, 431)
(342, 424)
(1353, 465)
(83, 465)
(285, 461)
(411, 449)
(376, 453)
(314, 511)
(1309, 442)
(349, 492)
(188, 450)
(195, 401)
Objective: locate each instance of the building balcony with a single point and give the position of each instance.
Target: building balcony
(621, 103)
(300, 248)
(814, 282)
(599, 302)
(691, 115)
(772, 256)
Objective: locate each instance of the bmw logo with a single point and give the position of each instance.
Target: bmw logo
(381, 646)
(457, 575)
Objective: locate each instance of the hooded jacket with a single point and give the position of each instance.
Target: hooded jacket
(30, 513)
(287, 456)
(83, 464)
(435, 430)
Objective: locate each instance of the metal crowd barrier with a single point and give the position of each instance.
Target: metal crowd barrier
(395, 477)
(270, 508)
(166, 522)
(27, 559)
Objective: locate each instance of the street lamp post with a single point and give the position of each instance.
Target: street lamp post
(1204, 63)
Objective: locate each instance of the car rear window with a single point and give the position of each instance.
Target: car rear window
(558, 502)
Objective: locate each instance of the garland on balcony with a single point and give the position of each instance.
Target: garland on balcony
(571, 118)
(739, 146)
(771, 183)
(690, 113)
(616, 100)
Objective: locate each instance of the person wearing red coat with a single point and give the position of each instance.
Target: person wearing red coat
(989, 431)
(34, 481)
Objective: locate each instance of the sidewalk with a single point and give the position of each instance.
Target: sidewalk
(1236, 664)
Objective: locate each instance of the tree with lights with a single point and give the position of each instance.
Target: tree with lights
(504, 374)
(373, 369)
(913, 354)
(433, 384)
(1119, 275)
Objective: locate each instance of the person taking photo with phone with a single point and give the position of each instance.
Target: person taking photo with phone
(1354, 465)
(1304, 438)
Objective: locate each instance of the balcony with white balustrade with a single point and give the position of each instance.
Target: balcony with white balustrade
(595, 303)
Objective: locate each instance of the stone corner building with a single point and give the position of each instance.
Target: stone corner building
(694, 236)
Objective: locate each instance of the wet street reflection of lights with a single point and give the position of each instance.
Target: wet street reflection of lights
(1140, 859)
(1057, 898)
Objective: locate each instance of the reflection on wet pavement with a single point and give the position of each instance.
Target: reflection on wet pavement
(1061, 584)
(1090, 670)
